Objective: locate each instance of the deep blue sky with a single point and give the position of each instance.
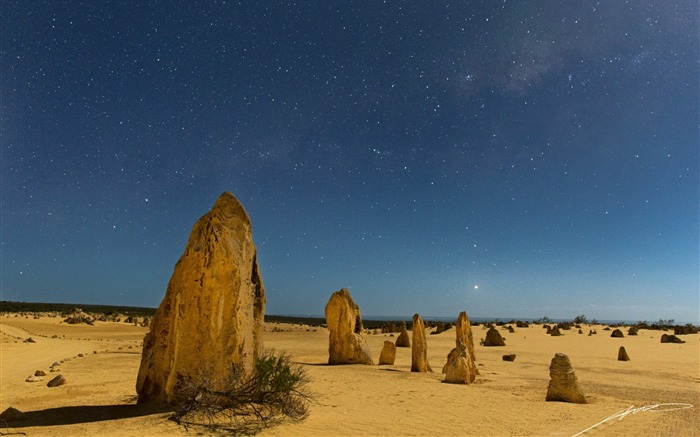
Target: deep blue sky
(545, 152)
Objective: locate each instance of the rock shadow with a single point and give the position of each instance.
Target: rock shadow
(83, 414)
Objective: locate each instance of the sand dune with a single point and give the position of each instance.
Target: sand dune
(507, 399)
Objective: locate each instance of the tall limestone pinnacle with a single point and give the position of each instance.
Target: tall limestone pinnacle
(212, 314)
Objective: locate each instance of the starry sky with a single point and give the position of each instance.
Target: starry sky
(512, 159)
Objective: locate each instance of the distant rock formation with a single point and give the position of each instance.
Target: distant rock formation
(77, 315)
(555, 332)
(211, 317)
(346, 344)
(403, 340)
(668, 338)
(419, 349)
(684, 330)
(622, 354)
(388, 354)
(493, 338)
(563, 384)
(632, 331)
(617, 334)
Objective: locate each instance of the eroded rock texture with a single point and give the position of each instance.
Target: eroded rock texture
(563, 384)
(419, 349)
(346, 344)
(211, 317)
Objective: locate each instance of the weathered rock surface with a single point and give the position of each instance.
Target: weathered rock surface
(211, 317)
(56, 381)
(419, 349)
(464, 338)
(346, 344)
(493, 338)
(403, 340)
(464, 334)
(388, 354)
(563, 384)
(622, 354)
(460, 368)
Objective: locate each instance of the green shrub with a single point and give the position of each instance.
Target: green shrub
(275, 391)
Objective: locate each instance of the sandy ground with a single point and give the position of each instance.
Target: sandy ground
(507, 399)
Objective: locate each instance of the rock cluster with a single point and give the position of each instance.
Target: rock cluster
(77, 315)
(211, 318)
(419, 349)
(563, 384)
(346, 344)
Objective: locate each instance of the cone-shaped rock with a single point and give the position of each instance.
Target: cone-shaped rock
(419, 349)
(563, 384)
(211, 317)
(493, 338)
(622, 354)
(346, 345)
(388, 354)
(555, 332)
(403, 340)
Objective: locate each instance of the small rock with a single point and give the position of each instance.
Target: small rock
(39, 373)
(509, 357)
(12, 415)
(81, 355)
(617, 334)
(56, 381)
(30, 340)
(622, 354)
(32, 378)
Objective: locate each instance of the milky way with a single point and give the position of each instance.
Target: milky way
(510, 159)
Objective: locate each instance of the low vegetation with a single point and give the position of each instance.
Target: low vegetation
(276, 391)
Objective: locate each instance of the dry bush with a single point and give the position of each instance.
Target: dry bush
(276, 391)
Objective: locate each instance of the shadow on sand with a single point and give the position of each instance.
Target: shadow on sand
(83, 414)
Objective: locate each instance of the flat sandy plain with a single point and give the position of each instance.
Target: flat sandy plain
(508, 398)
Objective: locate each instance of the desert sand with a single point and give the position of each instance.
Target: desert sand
(508, 398)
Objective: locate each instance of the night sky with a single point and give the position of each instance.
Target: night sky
(512, 159)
